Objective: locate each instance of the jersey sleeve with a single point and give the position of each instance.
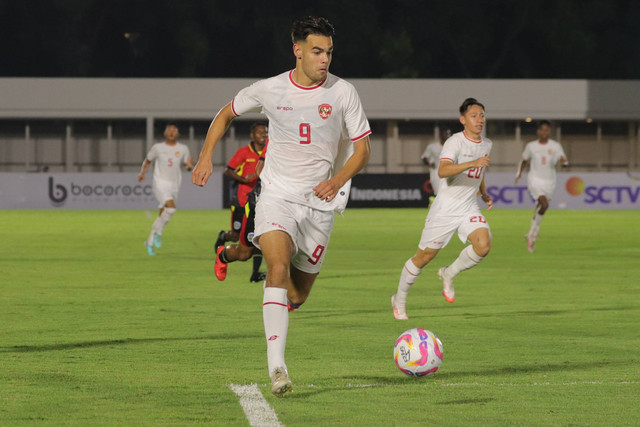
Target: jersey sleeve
(354, 117)
(153, 153)
(450, 151)
(561, 153)
(526, 154)
(248, 100)
(186, 155)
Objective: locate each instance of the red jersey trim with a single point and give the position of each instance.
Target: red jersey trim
(304, 87)
(361, 136)
(447, 158)
(233, 110)
(472, 140)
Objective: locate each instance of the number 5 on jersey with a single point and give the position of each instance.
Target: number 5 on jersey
(305, 132)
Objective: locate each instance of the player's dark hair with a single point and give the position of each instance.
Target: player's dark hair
(254, 125)
(468, 103)
(171, 124)
(302, 27)
(544, 122)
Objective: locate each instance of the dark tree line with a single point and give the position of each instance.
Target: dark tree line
(596, 39)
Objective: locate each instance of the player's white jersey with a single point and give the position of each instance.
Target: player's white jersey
(432, 152)
(168, 161)
(543, 159)
(305, 128)
(457, 194)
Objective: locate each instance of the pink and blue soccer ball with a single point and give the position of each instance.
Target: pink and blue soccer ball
(418, 352)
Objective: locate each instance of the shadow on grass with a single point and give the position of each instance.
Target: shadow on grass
(124, 341)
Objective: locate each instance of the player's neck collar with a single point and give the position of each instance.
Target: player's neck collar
(304, 87)
(472, 140)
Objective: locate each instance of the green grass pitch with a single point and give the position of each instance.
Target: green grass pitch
(94, 331)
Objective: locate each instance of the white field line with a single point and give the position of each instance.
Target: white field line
(255, 407)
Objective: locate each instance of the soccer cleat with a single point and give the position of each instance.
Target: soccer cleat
(397, 313)
(447, 286)
(258, 276)
(157, 240)
(530, 244)
(220, 241)
(220, 267)
(150, 249)
(280, 382)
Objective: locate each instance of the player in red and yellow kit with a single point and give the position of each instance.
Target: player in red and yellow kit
(242, 169)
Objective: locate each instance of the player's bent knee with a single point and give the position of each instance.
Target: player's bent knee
(482, 248)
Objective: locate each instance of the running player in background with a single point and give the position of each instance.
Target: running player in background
(431, 157)
(245, 249)
(543, 155)
(304, 178)
(242, 169)
(167, 176)
(463, 161)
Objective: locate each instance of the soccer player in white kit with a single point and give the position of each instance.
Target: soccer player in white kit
(303, 180)
(543, 154)
(463, 161)
(167, 176)
(431, 157)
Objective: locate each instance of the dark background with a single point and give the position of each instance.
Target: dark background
(595, 39)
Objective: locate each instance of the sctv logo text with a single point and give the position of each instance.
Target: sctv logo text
(605, 194)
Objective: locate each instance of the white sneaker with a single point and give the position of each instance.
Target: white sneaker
(448, 292)
(399, 314)
(280, 382)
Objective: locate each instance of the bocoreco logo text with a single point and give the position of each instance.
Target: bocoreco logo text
(60, 193)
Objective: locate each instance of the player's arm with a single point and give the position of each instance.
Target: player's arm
(447, 168)
(231, 173)
(484, 195)
(521, 167)
(564, 162)
(143, 169)
(328, 189)
(189, 164)
(219, 125)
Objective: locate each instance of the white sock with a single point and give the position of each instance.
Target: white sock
(535, 226)
(276, 324)
(407, 278)
(160, 223)
(468, 258)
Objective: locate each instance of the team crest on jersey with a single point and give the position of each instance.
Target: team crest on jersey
(177, 154)
(550, 151)
(325, 111)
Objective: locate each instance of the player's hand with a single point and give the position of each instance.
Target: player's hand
(482, 162)
(327, 190)
(141, 177)
(201, 173)
(517, 179)
(488, 200)
(251, 178)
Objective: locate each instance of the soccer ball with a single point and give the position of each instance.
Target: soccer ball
(418, 352)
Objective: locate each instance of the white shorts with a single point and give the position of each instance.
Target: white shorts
(164, 192)
(438, 230)
(308, 228)
(539, 187)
